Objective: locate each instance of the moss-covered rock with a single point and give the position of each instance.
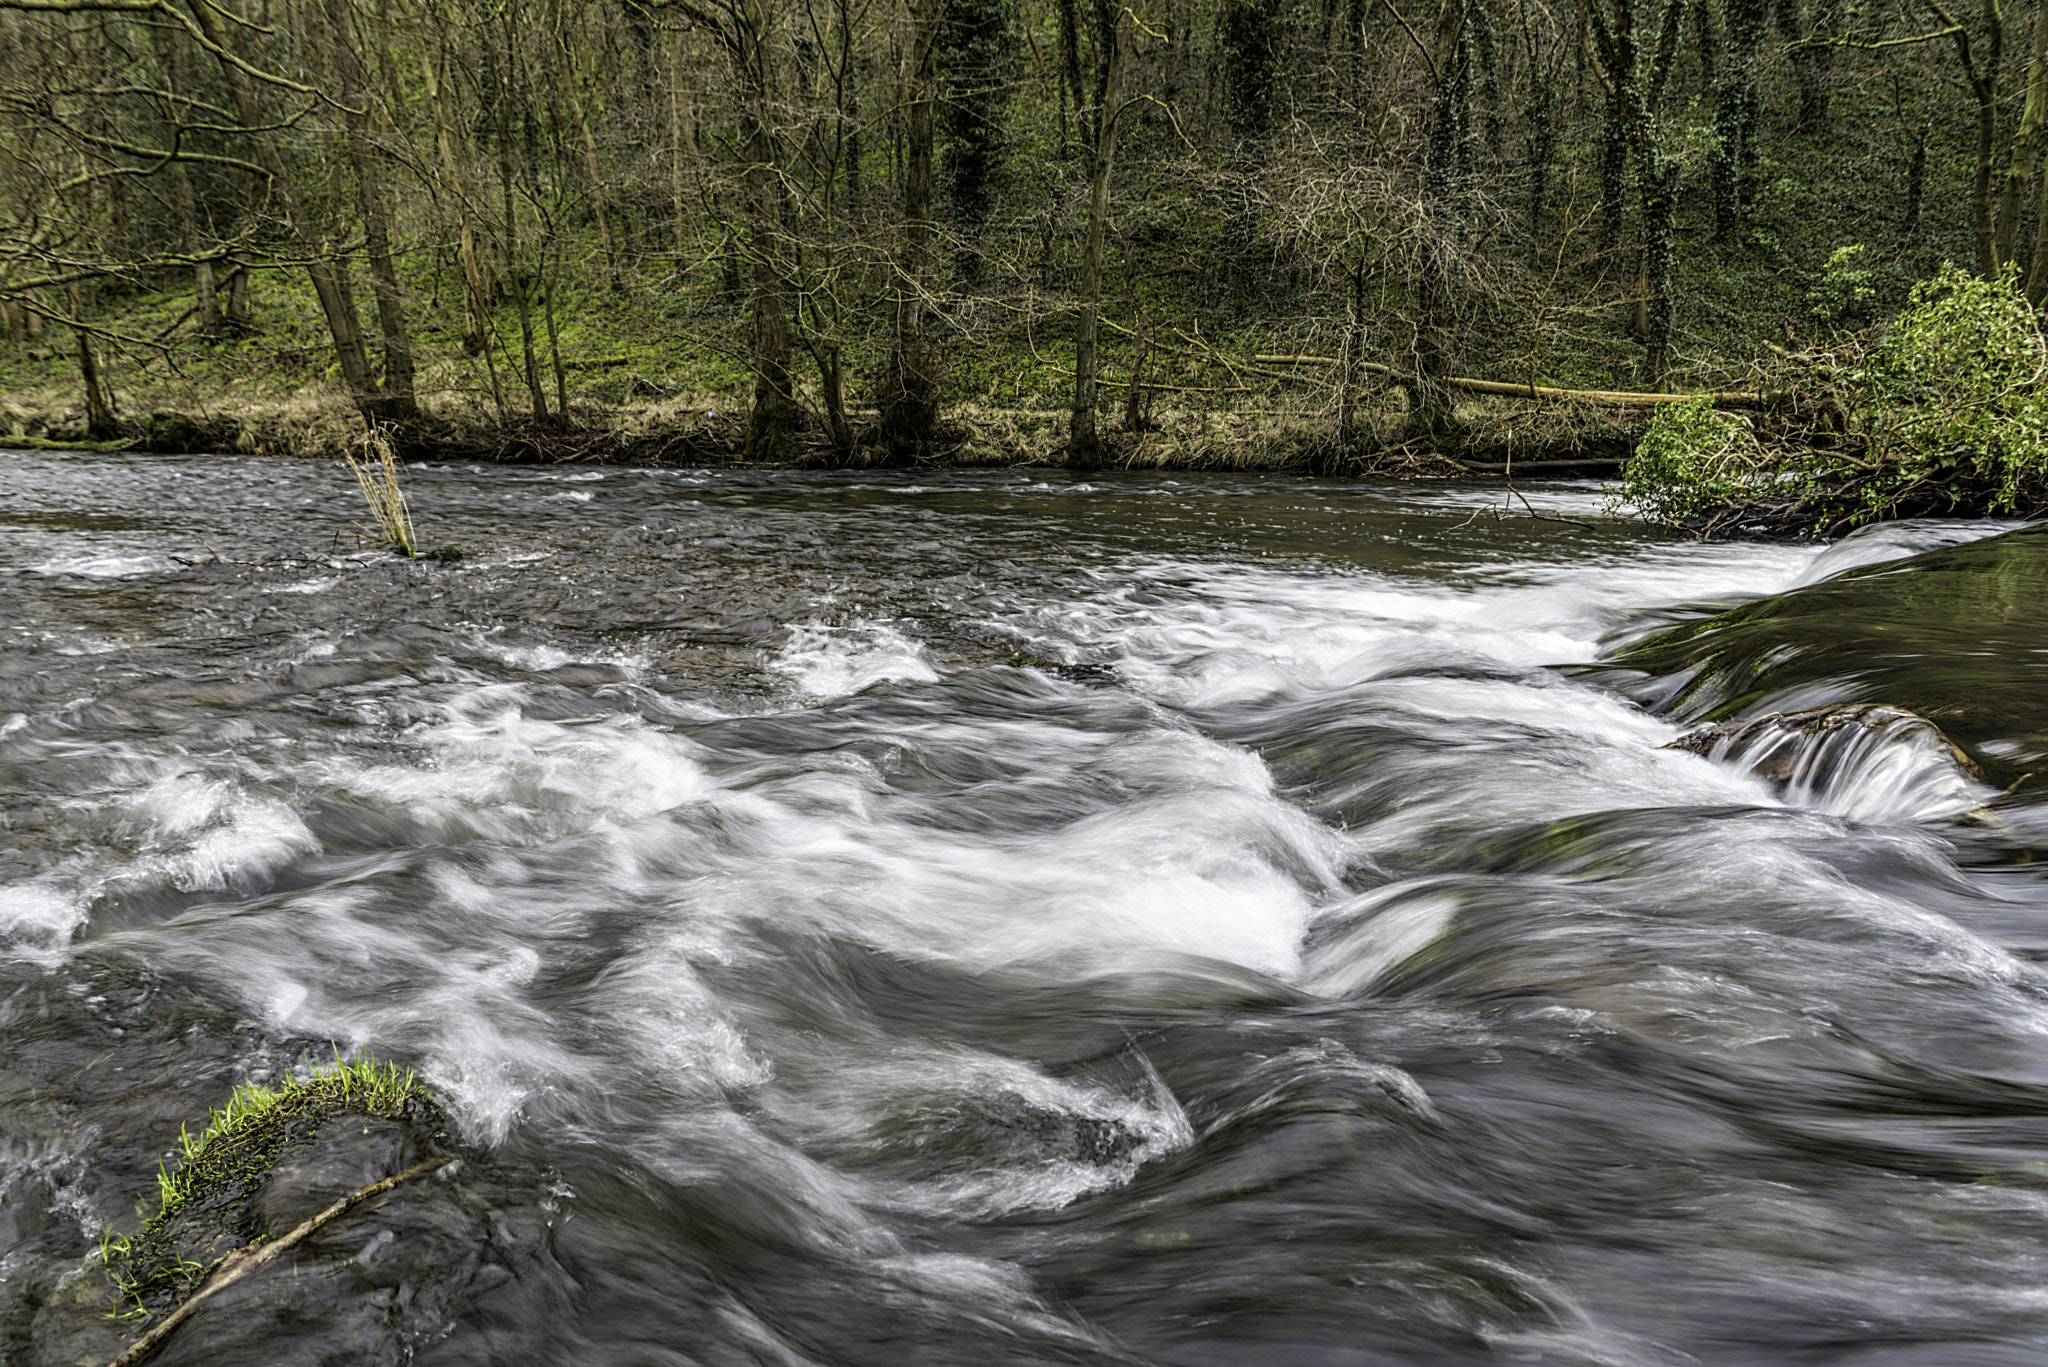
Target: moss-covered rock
(215, 1200)
(355, 1290)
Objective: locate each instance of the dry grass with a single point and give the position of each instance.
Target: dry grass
(373, 460)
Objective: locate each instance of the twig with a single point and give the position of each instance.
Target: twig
(1483, 508)
(1544, 517)
(242, 1261)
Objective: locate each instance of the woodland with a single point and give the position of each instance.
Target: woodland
(1371, 236)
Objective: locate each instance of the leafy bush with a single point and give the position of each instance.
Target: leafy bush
(1954, 391)
(1845, 290)
(1691, 461)
(1947, 413)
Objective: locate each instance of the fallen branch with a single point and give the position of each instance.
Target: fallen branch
(1601, 463)
(1611, 398)
(243, 1261)
(1546, 517)
(1182, 388)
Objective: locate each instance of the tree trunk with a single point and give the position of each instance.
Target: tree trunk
(479, 339)
(1084, 446)
(1982, 231)
(328, 288)
(1070, 73)
(2025, 148)
(1735, 112)
(1542, 142)
(205, 296)
(1134, 397)
(99, 414)
(1348, 370)
(675, 145)
(832, 383)
(1659, 176)
(1441, 238)
(772, 425)
(547, 306)
(238, 297)
(589, 141)
(516, 275)
(1808, 33)
(397, 403)
(1982, 79)
(910, 407)
(1613, 172)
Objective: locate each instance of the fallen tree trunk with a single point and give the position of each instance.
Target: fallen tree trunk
(1609, 398)
(1537, 467)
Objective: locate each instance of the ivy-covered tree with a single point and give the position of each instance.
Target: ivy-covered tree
(1248, 38)
(1735, 109)
(977, 71)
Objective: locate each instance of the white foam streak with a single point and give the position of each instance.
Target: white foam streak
(831, 662)
(1900, 770)
(1388, 927)
(1882, 541)
(86, 565)
(491, 772)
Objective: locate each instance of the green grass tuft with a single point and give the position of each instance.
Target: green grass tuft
(203, 1197)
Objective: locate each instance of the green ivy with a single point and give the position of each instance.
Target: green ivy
(1248, 35)
(1691, 461)
(1954, 391)
(1844, 291)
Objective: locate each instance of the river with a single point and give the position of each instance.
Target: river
(995, 918)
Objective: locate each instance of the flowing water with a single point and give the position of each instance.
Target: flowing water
(1000, 919)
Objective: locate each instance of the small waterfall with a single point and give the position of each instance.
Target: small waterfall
(1866, 762)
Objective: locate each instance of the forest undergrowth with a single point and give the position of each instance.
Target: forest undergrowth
(1425, 240)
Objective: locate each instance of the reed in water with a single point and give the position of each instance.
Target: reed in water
(373, 460)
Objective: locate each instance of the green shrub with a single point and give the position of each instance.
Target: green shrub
(1691, 461)
(1948, 413)
(1845, 290)
(1953, 393)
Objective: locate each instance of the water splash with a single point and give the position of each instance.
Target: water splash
(1867, 763)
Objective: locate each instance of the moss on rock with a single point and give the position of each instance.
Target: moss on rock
(210, 1203)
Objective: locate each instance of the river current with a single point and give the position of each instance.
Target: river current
(972, 919)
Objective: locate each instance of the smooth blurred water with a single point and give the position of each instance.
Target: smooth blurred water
(1283, 963)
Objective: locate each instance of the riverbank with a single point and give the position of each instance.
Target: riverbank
(317, 421)
(1222, 383)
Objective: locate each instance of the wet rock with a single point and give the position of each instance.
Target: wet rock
(1073, 673)
(362, 1289)
(1862, 759)
(1952, 635)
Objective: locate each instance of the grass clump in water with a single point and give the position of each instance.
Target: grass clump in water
(205, 1205)
(373, 460)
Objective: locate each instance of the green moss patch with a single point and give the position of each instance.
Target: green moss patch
(206, 1202)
